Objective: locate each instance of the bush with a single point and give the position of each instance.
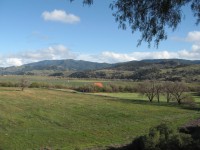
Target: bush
(189, 101)
(162, 137)
(35, 85)
(88, 88)
(107, 88)
(39, 85)
(9, 84)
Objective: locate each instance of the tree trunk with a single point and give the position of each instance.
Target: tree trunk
(179, 101)
(158, 97)
(168, 97)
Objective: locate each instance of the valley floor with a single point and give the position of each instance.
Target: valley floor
(38, 118)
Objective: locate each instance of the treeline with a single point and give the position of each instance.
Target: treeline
(144, 73)
(26, 84)
(110, 88)
(90, 88)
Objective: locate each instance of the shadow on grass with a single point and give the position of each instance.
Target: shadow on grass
(196, 94)
(127, 147)
(155, 103)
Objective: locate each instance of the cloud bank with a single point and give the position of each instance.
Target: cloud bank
(60, 16)
(56, 52)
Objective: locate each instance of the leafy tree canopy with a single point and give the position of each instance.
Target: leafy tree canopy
(151, 17)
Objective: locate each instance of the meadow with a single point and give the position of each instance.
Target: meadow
(59, 81)
(39, 118)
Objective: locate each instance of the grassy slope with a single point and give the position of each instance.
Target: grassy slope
(38, 117)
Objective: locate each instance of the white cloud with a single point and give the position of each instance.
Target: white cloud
(116, 57)
(57, 52)
(196, 48)
(112, 57)
(51, 53)
(54, 52)
(60, 16)
(10, 61)
(193, 36)
(194, 53)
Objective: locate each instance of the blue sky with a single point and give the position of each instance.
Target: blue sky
(35, 30)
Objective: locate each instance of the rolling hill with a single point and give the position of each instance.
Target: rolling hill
(161, 69)
(52, 66)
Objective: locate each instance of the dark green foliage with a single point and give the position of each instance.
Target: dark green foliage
(57, 74)
(87, 2)
(164, 70)
(146, 74)
(41, 85)
(163, 137)
(8, 84)
(192, 128)
(148, 17)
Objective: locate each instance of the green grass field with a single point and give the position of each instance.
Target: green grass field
(66, 82)
(37, 118)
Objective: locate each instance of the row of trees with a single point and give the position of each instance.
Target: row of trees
(171, 90)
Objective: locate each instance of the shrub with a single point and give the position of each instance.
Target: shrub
(107, 88)
(8, 84)
(162, 137)
(189, 101)
(35, 85)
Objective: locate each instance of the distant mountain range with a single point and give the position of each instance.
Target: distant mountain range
(54, 66)
(159, 63)
(163, 69)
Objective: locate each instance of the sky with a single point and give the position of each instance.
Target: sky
(36, 30)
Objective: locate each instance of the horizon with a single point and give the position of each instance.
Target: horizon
(53, 30)
(170, 59)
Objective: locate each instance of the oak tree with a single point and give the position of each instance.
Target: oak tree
(148, 89)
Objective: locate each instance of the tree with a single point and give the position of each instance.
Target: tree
(23, 83)
(151, 17)
(178, 90)
(158, 90)
(167, 90)
(147, 88)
